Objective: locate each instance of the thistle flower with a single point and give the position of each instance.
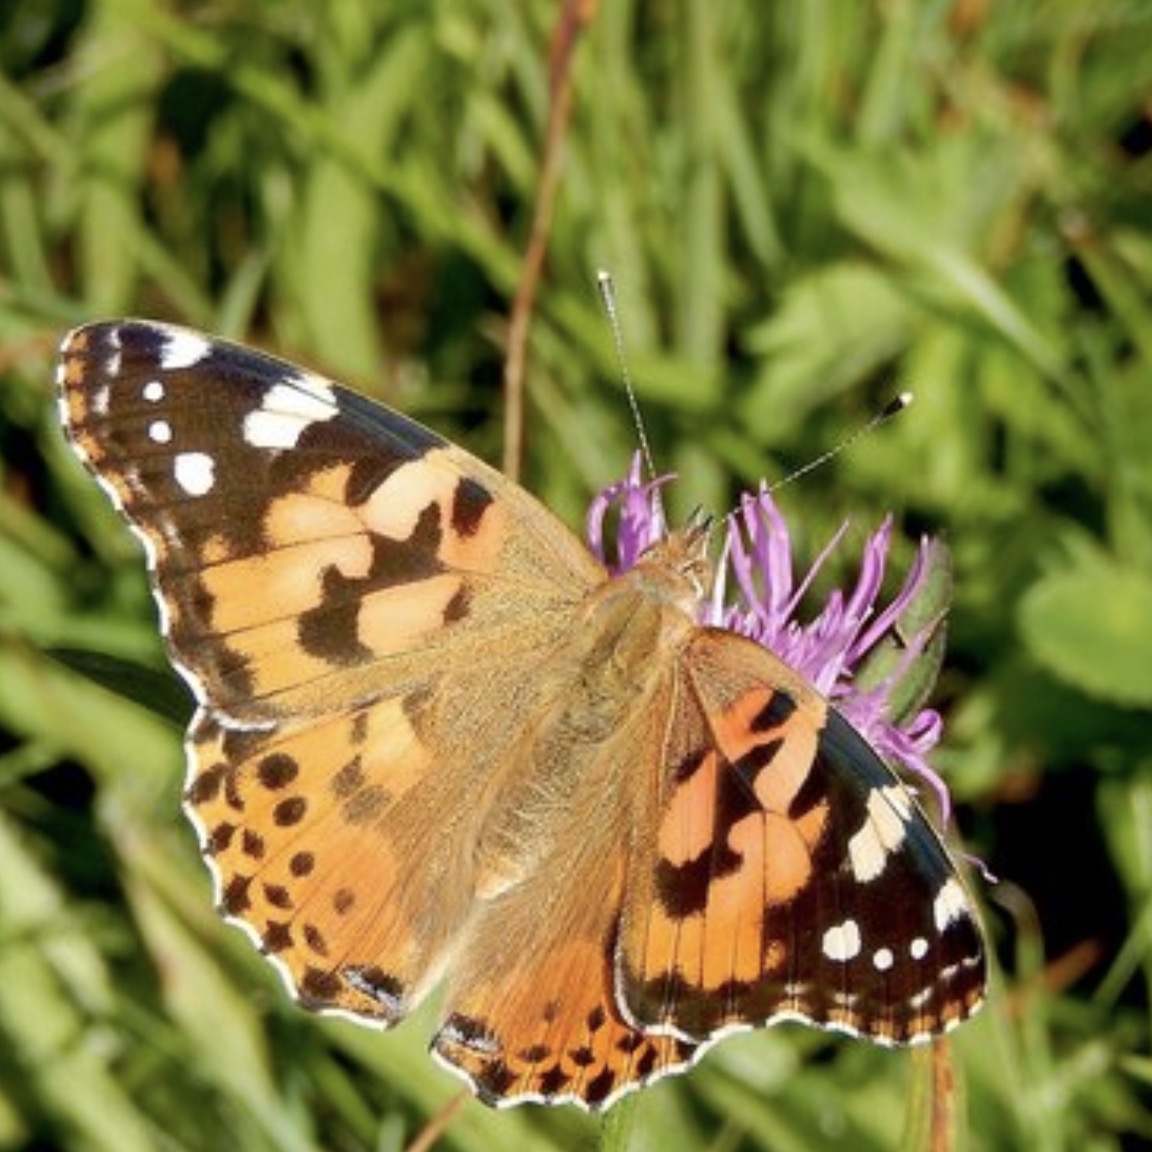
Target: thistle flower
(859, 653)
(640, 518)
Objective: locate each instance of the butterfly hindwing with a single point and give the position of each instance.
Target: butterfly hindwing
(530, 1008)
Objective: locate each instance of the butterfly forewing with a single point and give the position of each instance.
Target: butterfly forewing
(435, 739)
(296, 531)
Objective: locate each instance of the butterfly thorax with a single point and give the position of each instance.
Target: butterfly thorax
(649, 611)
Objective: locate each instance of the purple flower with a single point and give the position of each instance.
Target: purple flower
(758, 592)
(640, 518)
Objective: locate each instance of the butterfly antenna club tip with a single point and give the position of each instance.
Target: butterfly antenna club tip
(892, 408)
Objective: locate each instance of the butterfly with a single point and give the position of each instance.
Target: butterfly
(437, 743)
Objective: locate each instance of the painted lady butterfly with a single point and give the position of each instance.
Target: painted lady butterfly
(435, 740)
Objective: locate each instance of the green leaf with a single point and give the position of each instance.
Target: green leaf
(1091, 626)
(156, 690)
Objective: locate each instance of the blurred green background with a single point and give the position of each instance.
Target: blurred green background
(807, 207)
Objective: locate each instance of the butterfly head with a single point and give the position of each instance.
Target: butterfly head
(680, 564)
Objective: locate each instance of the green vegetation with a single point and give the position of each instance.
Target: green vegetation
(807, 207)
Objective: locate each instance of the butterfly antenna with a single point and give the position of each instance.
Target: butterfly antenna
(894, 406)
(607, 289)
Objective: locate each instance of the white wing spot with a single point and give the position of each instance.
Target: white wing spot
(195, 472)
(883, 959)
(842, 942)
(288, 410)
(316, 387)
(950, 904)
(918, 949)
(160, 432)
(183, 349)
(917, 1001)
(153, 391)
(882, 833)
